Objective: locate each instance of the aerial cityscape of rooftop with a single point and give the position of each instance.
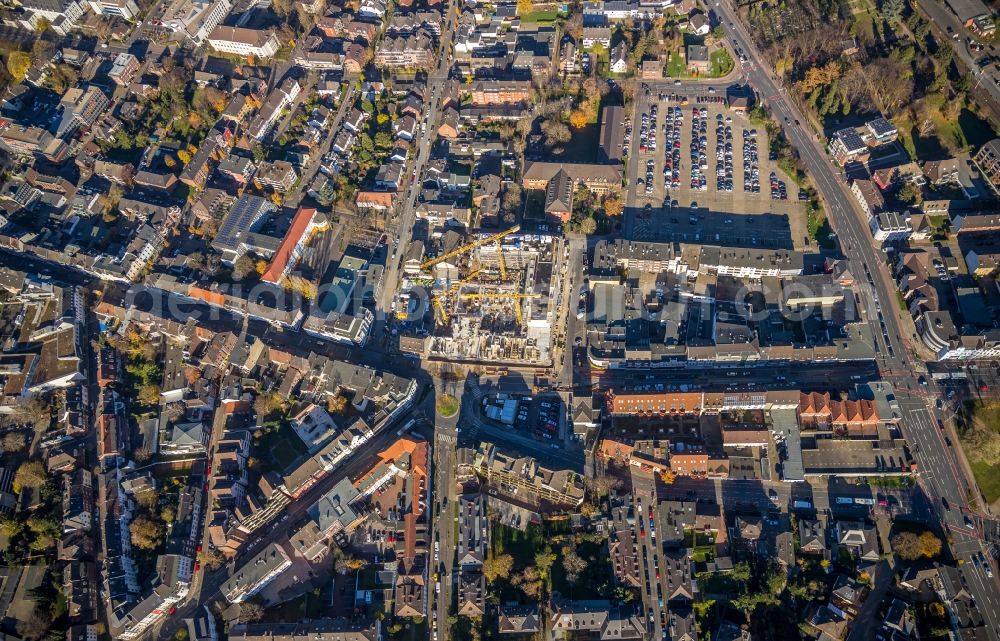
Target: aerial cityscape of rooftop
(454, 320)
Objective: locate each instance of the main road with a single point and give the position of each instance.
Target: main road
(938, 469)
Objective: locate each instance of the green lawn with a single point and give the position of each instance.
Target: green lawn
(818, 226)
(541, 15)
(595, 582)
(447, 405)
(722, 63)
(582, 146)
(988, 479)
(676, 67)
(307, 606)
(521, 545)
(718, 584)
(703, 553)
(280, 447)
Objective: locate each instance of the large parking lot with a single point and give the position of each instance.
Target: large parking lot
(704, 175)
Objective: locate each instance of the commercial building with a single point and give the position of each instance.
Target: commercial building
(612, 134)
(316, 630)
(241, 41)
(236, 234)
(195, 19)
(125, 9)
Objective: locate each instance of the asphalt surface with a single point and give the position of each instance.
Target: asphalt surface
(939, 474)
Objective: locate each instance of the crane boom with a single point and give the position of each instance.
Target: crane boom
(505, 296)
(503, 266)
(469, 247)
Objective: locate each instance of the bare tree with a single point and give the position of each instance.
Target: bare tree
(175, 411)
(251, 611)
(12, 442)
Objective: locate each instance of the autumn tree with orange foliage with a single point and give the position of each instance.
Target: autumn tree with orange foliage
(578, 119)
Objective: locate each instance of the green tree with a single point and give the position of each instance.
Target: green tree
(365, 141)
(910, 194)
(544, 561)
(29, 474)
(383, 141)
(147, 534)
(18, 63)
(149, 394)
(11, 527)
(891, 9)
(243, 266)
(498, 566)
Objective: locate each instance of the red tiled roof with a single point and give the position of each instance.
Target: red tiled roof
(672, 402)
(300, 223)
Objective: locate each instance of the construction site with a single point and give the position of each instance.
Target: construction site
(492, 296)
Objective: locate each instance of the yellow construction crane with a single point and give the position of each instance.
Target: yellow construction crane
(469, 247)
(440, 307)
(505, 296)
(454, 286)
(503, 266)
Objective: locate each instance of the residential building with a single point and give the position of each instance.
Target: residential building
(846, 146)
(501, 92)
(889, 227)
(881, 131)
(868, 196)
(534, 482)
(618, 63)
(124, 69)
(472, 531)
(596, 35)
(942, 172)
(406, 52)
(81, 108)
(256, 573)
(850, 418)
(32, 141)
(278, 176)
(60, 15)
(698, 60)
(519, 620)
(594, 620)
(988, 161)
